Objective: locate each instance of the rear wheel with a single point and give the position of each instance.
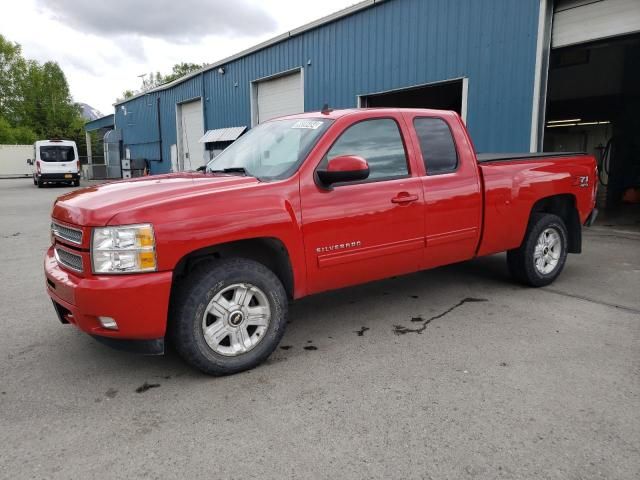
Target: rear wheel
(39, 183)
(228, 316)
(76, 183)
(543, 253)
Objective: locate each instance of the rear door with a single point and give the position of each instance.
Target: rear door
(58, 158)
(451, 185)
(362, 231)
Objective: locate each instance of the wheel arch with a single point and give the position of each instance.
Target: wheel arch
(564, 206)
(269, 251)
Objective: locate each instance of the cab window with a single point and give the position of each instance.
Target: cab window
(379, 142)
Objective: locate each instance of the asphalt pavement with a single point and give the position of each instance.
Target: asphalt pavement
(453, 373)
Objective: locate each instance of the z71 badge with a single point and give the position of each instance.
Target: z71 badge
(581, 181)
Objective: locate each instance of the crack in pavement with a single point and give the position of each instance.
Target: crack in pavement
(146, 386)
(11, 235)
(591, 300)
(361, 331)
(401, 330)
(626, 236)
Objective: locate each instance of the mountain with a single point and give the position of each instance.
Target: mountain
(89, 113)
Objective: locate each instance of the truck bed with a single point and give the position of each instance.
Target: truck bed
(513, 182)
(505, 157)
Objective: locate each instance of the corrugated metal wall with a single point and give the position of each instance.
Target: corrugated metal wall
(395, 44)
(138, 122)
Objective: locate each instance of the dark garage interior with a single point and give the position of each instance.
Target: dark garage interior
(443, 96)
(592, 105)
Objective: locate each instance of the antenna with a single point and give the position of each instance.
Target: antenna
(326, 110)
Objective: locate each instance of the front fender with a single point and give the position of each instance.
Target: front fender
(262, 210)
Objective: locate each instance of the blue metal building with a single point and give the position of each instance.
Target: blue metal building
(482, 58)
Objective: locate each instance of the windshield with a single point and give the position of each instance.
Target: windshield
(272, 150)
(57, 153)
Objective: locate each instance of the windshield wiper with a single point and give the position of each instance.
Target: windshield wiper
(231, 170)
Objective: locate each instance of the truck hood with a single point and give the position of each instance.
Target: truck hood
(96, 205)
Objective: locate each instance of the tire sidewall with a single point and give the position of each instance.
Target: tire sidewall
(219, 277)
(544, 222)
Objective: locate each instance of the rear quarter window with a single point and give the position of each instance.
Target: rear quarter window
(437, 145)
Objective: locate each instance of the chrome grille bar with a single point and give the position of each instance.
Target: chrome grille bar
(68, 259)
(69, 234)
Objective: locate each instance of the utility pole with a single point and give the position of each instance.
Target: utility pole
(141, 77)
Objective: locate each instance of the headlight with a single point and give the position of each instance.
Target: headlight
(124, 249)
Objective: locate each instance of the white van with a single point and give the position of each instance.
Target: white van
(55, 161)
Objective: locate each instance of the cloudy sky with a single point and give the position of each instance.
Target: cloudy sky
(104, 46)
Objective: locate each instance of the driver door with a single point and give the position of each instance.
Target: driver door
(366, 230)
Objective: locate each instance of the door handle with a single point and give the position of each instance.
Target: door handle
(404, 197)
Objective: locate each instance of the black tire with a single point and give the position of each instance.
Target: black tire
(76, 183)
(521, 260)
(192, 297)
(40, 183)
(35, 182)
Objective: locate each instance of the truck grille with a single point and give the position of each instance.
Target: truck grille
(66, 233)
(68, 259)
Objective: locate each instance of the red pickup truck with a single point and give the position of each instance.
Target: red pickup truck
(300, 205)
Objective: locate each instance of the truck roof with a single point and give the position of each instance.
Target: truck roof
(335, 114)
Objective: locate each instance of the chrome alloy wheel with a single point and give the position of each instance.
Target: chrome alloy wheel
(236, 319)
(547, 251)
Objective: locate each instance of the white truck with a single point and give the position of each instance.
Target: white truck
(55, 161)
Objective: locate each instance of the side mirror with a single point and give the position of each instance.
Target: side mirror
(29, 161)
(201, 168)
(346, 168)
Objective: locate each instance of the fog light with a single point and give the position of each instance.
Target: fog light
(108, 322)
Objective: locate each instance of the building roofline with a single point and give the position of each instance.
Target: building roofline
(99, 119)
(98, 123)
(332, 17)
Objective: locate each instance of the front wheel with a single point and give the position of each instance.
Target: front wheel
(228, 316)
(543, 253)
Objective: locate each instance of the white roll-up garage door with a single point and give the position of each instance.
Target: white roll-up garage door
(191, 129)
(581, 21)
(279, 96)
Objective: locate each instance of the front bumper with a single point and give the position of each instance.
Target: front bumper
(139, 303)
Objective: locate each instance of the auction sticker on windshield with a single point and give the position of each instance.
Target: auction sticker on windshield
(310, 124)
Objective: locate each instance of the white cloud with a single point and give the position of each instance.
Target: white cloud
(132, 46)
(100, 65)
(183, 20)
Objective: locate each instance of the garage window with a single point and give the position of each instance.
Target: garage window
(379, 143)
(437, 146)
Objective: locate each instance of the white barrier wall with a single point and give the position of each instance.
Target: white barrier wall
(13, 160)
